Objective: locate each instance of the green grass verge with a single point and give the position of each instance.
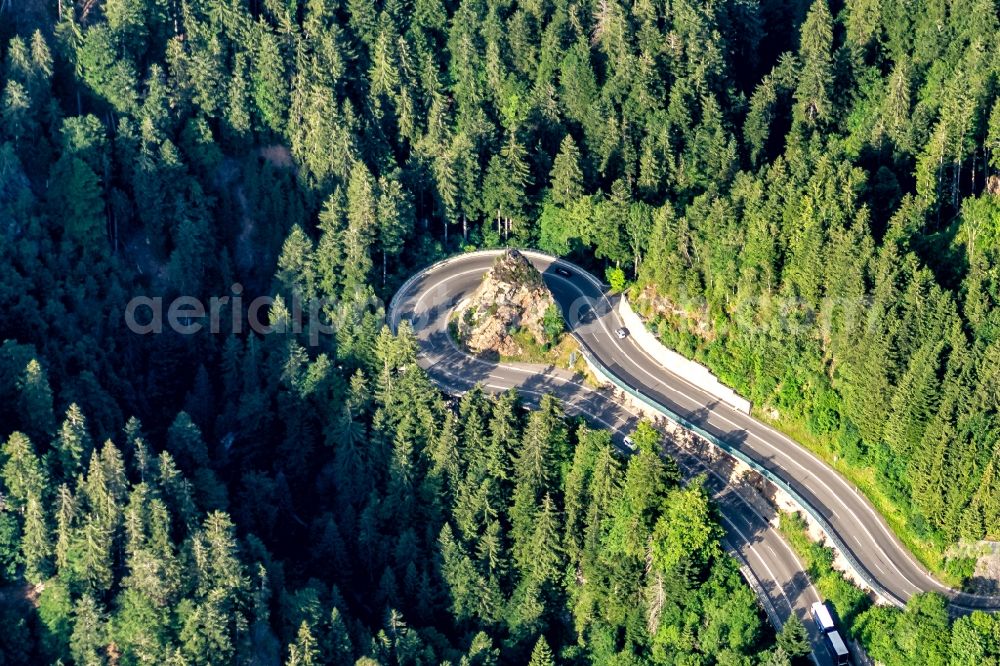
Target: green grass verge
(847, 599)
(927, 551)
(930, 552)
(558, 355)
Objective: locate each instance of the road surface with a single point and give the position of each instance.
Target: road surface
(426, 301)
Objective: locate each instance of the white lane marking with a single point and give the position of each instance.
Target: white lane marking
(799, 448)
(528, 371)
(452, 276)
(513, 368)
(768, 525)
(749, 542)
(777, 583)
(657, 382)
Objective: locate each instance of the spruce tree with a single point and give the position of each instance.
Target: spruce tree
(566, 178)
(185, 443)
(89, 638)
(362, 224)
(75, 198)
(816, 74)
(295, 265)
(36, 542)
(459, 574)
(304, 651)
(23, 474)
(237, 114)
(793, 638)
(66, 515)
(541, 654)
(36, 402)
(395, 219)
(268, 79)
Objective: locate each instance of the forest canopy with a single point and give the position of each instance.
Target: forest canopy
(808, 190)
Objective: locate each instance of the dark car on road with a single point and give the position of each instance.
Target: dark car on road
(564, 272)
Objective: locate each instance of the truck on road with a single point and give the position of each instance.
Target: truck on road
(831, 635)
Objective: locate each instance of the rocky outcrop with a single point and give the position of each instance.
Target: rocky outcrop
(512, 297)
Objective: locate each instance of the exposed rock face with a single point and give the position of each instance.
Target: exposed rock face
(511, 297)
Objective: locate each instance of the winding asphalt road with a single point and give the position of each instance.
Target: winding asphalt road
(426, 301)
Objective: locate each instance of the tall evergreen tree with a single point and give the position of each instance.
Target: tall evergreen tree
(541, 654)
(362, 223)
(36, 402)
(816, 75)
(566, 178)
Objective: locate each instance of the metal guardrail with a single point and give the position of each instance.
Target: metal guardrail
(827, 528)
(688, 369)
(760, 469)
(754, 583)
(390, 313)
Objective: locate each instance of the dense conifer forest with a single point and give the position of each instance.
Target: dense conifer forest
(806, 192)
